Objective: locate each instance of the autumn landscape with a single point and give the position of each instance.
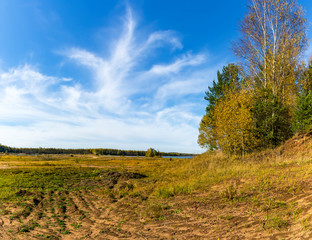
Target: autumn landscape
(111, 132)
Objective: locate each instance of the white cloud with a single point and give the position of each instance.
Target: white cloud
(84, 57)
(67, 79)
(185, 61)
(177, 89)
(127, 106)
(164, 37)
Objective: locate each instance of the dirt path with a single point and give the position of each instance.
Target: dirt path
(88, 214)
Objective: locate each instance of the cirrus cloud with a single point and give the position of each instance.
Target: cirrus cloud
(134, 102)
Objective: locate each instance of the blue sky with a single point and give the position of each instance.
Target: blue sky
(112, 74)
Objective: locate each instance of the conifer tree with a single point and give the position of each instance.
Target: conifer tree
(271, 118)
(303, 113)
(307, 78)
(228, 78)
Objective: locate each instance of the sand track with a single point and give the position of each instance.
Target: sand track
(86, 214)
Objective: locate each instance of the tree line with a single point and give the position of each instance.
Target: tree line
(95, 151)
(266, 96)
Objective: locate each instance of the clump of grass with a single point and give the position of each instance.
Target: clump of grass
(230, 192)
(173, 190)
(157, 210)
(28, 227)
(276, 222)
(76, 225)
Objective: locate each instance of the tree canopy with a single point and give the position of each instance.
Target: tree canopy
(263, 99)
(227, 79)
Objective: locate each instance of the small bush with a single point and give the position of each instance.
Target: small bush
(151, 152)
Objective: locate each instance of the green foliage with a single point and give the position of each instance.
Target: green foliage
(151, 152)
(14, 181)
(307, 78)
(303, 113)
(272, 120)
(229, 78)
(269, 53)
(96, 151)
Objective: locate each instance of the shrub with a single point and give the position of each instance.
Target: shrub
(151, 152)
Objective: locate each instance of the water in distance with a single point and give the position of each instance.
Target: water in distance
(183, 157)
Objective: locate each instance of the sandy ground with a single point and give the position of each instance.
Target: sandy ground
(87, 214)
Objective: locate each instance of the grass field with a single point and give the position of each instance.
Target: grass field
(261, 196)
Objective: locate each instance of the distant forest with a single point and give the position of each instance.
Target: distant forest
(96, 151)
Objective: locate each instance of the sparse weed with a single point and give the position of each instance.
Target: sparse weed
(230, 192)
(157, 210)
(275, 221)
(76, 225)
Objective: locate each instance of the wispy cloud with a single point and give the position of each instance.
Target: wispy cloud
(133, 101)
(115, 74)
(184, 61)
(163, 37)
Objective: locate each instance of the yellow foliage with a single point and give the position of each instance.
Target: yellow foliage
(206, 137)
(273, 40)
(234, 124)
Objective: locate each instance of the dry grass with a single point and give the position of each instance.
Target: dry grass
(264, 195)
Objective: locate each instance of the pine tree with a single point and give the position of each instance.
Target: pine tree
(229, 78)
(272, 119)
(307, 78)
(303, 113)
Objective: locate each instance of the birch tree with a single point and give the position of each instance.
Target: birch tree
(273, 37)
